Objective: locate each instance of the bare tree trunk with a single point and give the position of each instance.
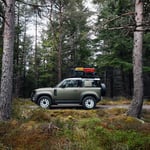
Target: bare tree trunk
(137, 102)
(7, 61)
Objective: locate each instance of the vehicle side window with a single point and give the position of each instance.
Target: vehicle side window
(91, 83)
(76, 83)
(87, 83)
(68, 83)
(72, 83)
(96, 83)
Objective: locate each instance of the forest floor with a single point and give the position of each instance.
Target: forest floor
(71, 128)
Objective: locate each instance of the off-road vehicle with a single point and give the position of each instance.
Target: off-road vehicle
(84, 91)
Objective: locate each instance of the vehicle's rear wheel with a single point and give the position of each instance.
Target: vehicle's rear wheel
(44, 102)
(89, 102)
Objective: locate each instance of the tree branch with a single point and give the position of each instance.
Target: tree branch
(129, 27)
(123, 27)
(125, 14)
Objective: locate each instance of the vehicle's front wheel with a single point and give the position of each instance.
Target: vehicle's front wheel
(44, 102)
(89, 102)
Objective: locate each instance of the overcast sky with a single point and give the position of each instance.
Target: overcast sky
(91, 20)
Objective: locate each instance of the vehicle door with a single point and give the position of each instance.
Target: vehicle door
(68, 91)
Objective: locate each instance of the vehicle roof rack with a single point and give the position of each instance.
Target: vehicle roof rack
(84, 72)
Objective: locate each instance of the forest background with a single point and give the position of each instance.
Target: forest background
(114, 39)
(68, 34)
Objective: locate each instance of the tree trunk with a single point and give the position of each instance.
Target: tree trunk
(60, 43)
(58, 39)
(137, 102)
(7, 61)
(17, 74)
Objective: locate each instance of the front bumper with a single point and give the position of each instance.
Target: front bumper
(33, 96)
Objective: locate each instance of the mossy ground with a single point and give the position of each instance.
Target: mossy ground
(34, 128)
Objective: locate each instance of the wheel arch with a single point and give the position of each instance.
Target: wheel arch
(44, 94)
(86, 95)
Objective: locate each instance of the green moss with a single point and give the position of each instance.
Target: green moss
(89, 123)
(39, 129)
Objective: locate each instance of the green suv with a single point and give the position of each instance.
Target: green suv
(84, 91)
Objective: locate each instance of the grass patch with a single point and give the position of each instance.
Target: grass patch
(35, 128)
(120, 101)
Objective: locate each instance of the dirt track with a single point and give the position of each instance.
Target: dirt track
(76, 106)
(71, 106)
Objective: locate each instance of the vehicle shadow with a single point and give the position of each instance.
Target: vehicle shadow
(66, 106)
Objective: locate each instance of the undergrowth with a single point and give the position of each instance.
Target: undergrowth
(35, 128)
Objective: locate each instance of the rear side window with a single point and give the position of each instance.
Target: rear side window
(87, 83)
(91, 83)
(96, 83)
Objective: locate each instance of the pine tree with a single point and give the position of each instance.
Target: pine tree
(7, 61)
(137, 102)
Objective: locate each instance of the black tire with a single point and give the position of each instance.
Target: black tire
(44, 102)
(89, 102)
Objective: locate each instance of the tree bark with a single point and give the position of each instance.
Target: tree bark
(7, 61)
(137, 102)
(60, 43)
